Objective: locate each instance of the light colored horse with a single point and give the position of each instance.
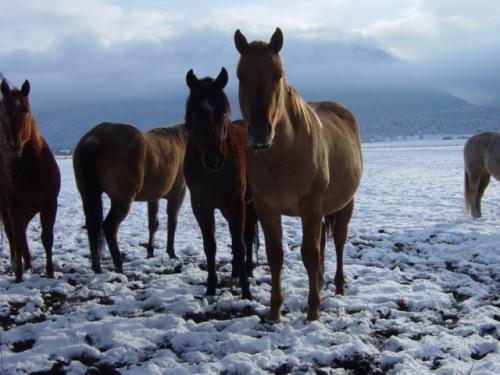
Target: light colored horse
(482, 160)
(305, 160)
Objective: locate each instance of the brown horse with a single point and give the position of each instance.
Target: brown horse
(33, 180)
(482, 160)
(306, 161)
(128, 166)
(215, 170)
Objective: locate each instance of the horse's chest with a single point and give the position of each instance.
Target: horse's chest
(279, 188)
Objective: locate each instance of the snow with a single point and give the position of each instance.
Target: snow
(422, 289)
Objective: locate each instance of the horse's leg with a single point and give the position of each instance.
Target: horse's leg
(26, 251)
(118, 212)
(483, 184)
(153, 224)
(235, 216)
(321, 271)
(271, 226)
(205, 218)
(310, 251)
(250, 236)
(173, 207)
(474, 198)
(20, 243)
(47, 220)
(10, 237)
(340, 228)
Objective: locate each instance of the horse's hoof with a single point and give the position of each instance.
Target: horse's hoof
(210, 292)
(118, 268)
(340, 291)
(312, 315)
(172, 255)
(247, 295)
(273, 317)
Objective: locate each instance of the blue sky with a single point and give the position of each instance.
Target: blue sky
(138, 46)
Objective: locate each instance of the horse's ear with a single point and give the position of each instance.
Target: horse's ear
(5, 88)
(25, 88)
(221, 80)
(276, 40)
(240, 41)
(191, 80)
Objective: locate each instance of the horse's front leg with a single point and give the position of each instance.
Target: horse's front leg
(47, 220)
(153, 225)
(19, 244)
(205, 217)
(311, 257)
(271, 226)
(235, 216)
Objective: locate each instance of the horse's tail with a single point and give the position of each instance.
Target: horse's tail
(329, 225)
(87, 181)
(467, 197)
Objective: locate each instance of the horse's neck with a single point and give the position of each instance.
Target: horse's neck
(295, 119)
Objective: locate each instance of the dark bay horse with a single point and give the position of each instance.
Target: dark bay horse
(129, 165)
(482, 160)
(305, 161)
(33, 179)
(215, 170)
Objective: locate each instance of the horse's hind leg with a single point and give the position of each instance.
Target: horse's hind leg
(47, 220)
(484, 181)
(340, 228)
(173, 207)
(477, 185)
(250, 235)
(118, 212)
(205, 218)
(235, 217)
(153, 224)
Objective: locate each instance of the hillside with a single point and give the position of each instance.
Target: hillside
(381, 114)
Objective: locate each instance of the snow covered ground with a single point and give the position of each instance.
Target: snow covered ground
(422, 283)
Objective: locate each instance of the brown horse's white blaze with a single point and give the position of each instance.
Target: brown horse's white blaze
(305, 160)
(481, 161)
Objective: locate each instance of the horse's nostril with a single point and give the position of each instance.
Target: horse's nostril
(250, 130)
(269, 129)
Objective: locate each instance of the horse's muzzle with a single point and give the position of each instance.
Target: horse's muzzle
(260, 140)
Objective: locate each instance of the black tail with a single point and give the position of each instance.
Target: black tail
(329, 225)
(85, 167)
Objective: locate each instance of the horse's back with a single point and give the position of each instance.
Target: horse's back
(164, 159)
(340, 137)
(117, 152)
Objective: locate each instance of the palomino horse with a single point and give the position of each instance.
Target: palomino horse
(33, 180)
(215, 170)
(128, 166)
(482, 160)
(305, 161)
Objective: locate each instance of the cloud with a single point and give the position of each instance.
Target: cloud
(97, 50)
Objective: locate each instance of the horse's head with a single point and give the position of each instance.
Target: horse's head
(262, 87)
(17, 106)
(207, 115)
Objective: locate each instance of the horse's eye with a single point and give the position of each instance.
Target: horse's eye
(277, 76)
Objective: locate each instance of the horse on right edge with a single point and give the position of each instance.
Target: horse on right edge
(482, 160)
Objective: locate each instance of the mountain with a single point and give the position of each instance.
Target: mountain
(381, 114)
